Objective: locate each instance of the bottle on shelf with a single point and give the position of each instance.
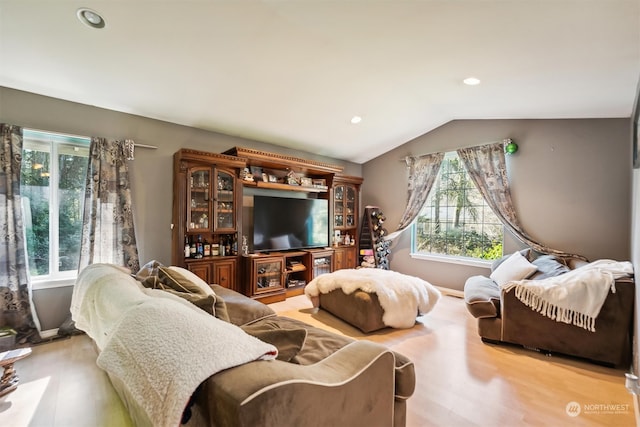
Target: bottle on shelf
(199, 247)
(207, 248)
(192, 249)
(187, 247)
(228, 245)
(223, 247)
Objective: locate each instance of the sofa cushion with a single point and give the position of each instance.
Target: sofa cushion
(482, 296)
(241, 309)
(549, 266)
(288, 341)
(516, 267)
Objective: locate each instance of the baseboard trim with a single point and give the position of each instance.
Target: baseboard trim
(49, 333)
(452, 293)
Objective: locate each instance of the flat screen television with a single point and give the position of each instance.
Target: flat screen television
(281, 223)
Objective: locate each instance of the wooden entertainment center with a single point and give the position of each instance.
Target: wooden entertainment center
(208, 194)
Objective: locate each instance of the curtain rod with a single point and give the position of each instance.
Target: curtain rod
(70, 135)
(135, 144)
(504, 141)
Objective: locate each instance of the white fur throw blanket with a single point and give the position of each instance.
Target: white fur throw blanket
(401, 297)
(160, 348)
(575, 297)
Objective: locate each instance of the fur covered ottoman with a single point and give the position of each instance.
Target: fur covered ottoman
(371, 299)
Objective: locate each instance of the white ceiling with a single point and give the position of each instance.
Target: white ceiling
(294, 72)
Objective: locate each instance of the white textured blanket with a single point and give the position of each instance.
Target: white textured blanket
(402, 297)
(575, 297)
(160, 348)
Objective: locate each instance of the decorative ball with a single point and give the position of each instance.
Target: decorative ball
(511, 148)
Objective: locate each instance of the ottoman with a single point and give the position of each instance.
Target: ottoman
(359, 309)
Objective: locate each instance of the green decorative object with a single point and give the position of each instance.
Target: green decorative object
(511, 148)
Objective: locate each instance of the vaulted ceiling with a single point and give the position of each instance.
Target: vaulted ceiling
(295, 72)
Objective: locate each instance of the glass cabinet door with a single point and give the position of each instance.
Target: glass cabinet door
(322, 265)
(225, 201)
(338, 206)
(345, 202)
(268, 275)
(199, 209)
(350, 206)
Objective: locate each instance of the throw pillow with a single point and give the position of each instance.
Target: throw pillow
(527, 253)
(549, 266)
(288, 341)
(200, 300)
(176, 282)
(149, 269)
(241, 309)
(220, 308)
(516, 267)
(193, 278)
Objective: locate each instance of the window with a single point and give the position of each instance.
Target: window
(52, 183)
(455, 220)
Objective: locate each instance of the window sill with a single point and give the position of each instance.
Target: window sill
(52, 283)
(472, 262)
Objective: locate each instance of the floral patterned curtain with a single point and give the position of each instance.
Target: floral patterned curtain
(108, 234)
(423, 171)
(15, 286)
(487, 168)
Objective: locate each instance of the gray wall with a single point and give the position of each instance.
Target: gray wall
(570, 182)
(570, 179)
(151, 171)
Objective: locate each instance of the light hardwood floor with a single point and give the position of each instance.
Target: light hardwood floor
(460, 380)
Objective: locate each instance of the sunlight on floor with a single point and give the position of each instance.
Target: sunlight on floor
(28, 396)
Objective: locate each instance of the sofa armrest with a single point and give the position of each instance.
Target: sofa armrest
(360, 376)
(482, 297)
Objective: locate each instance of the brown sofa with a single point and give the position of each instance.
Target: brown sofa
(319, 378)
(503, 318)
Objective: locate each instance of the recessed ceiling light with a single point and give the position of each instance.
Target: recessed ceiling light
(471, 81)
(90, 18)
(356, 119)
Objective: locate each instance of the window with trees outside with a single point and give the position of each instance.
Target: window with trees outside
(455, 220)
(52, 183)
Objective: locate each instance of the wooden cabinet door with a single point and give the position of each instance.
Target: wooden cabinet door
(345, 257)
(263, 276)
(340, 259)
(202, 270)
(321, 262)
(224, 273)
(350, 257)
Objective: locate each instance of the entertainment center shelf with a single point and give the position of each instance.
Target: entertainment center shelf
(275, 276)
(214, 199)
(285, 187)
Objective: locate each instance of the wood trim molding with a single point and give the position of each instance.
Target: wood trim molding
(277, 161)
(189, 154)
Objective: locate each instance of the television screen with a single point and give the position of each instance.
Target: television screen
(281, 223)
